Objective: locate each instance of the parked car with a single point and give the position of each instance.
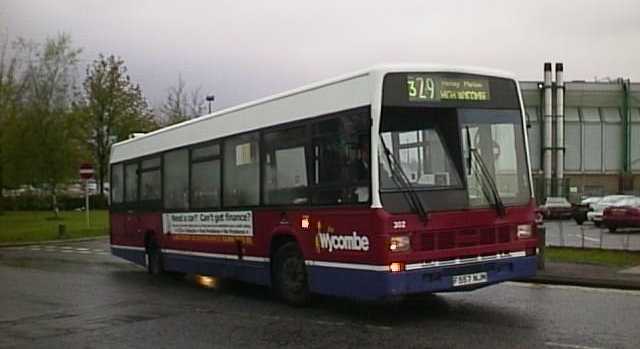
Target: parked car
(556, 207)
(608, 201)
(580, 211)
(626, 215)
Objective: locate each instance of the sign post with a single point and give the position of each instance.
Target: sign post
(86, 173)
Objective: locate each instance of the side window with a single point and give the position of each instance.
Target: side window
(241, 171)
(131, 183)
(117, 184)
(341, 168)
(285, 167)
(150, 180)
(176, 179)
(205, 177)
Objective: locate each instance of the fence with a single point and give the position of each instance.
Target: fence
(565, 233)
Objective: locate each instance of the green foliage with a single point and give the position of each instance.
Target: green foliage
(38, 143)
(39, 226)
(111, 109)
(10, 92)
(34, 202)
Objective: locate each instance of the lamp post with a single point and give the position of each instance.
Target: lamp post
(210, 99)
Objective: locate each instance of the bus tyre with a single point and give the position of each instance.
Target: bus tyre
(597, 223)
(612, 229)
(290, 275)
(154, 259)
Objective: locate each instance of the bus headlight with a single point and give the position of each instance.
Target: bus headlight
(524, 231)
(400, 243)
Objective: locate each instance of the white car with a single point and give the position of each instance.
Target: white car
(608, 201)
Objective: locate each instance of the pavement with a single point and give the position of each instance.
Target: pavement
(588, 275)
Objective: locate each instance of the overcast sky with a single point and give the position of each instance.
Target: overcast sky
(243, 50)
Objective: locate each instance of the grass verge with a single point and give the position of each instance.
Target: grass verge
(611, 258)
(22, 226)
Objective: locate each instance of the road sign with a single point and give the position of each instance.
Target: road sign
(86, 171)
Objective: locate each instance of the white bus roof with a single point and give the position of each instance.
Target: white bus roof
(341, 93)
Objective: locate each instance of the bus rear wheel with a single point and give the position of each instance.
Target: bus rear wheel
(290, 275)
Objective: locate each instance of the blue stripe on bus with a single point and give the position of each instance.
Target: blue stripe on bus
(376, 285)
(132, 255)
(344, 282)
(248, 271)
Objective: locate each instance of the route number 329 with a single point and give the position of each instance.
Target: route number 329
(421, 88)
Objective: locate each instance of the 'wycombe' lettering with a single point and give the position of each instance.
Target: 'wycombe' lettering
(342, 242)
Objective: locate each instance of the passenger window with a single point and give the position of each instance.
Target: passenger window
(241, 171)
(285, 167)
(205, 177)
(176, 179)
(117, 184)
(131, 183)
(150, 180)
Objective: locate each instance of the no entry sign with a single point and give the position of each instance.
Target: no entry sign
(86, 171)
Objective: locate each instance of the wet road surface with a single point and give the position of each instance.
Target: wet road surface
(77, 296)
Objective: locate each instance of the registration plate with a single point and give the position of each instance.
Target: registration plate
(469, 279)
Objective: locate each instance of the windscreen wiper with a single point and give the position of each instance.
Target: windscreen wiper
(400, 178)
(491, 183)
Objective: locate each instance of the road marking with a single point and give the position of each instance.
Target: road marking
(571, 346)
(66, 247)
(578, 288)
(81, 249)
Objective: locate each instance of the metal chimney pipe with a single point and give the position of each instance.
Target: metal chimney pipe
(559, 127)
(548, 130)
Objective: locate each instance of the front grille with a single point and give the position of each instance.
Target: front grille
(450, 239)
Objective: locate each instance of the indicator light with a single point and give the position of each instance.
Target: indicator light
(396, 267)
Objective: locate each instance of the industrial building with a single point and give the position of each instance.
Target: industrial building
(590, 142)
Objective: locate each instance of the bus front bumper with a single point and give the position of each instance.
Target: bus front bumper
(372, 285)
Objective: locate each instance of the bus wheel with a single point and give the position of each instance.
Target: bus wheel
(290, 275)
(154, 259)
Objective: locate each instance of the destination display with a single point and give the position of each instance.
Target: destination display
(435, 88)
(426, 89)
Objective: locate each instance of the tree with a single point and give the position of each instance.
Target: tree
(10, 89)
(180, 105)
(113, 107)
(39, 141)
